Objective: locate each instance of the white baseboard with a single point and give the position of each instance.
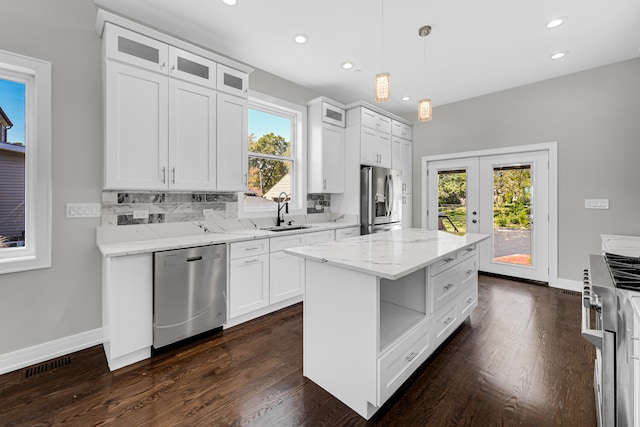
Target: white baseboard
(50, 350)
(570, 285)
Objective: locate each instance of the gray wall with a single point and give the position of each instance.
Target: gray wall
(593, 115)
(43, 305)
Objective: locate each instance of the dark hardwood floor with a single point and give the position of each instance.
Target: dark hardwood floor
(519, 360)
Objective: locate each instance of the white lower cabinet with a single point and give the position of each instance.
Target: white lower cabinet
(345, 233)
(248, 277)
(127, 308)
(286, 279)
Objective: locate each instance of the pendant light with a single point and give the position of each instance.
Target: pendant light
(425, 109)
(383, 80)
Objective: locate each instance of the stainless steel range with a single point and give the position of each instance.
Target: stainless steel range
(608, 284)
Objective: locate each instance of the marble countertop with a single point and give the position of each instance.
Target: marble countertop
(390, 255)
(144, 238)
(621, 245)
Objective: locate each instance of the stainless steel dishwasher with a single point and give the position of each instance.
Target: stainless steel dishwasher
(189, 295)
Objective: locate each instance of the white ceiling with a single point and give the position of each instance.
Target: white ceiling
(476, 47)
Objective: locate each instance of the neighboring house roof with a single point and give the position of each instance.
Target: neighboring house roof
(12, 147)
(4, 120)
(283, 185)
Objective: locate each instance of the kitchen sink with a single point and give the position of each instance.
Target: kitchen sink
(287, 227)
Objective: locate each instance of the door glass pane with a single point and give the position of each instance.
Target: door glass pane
(512, 214)
(13, 151)
(452, 198)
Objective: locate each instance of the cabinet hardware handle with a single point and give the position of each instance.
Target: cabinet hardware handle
(470, 300)
(245, 179)
(164, 64)
(411, 356)
(449, 286)
(324, 183)
(449, 320)
(448, 259)
(470, 249)
(252, 249)
(469, 272)
(251, 261)
(173, 67)
(173, 171)
(164, 175)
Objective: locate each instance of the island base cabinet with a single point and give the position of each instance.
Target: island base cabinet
(127, 309)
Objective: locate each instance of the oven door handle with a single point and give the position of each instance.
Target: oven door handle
(594, 336)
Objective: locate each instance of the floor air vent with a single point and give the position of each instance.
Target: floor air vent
(41, 368)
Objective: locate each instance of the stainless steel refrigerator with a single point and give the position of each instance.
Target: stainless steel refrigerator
(380, 199)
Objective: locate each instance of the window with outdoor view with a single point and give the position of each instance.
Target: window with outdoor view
(272, 156)
(25, 163)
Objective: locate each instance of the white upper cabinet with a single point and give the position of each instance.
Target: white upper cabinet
(401, 130)
(136, 49)
(232, 81)
(193, 68)
(166, 127)
(407, 158)
(232, 142)
(192, 137)
(136, 134)
(325, 159)
(374, 136)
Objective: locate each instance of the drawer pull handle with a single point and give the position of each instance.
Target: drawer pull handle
(251, 261)
(252, 249)
(469, 301)
(449, 320)
(449, 286)
(448, 259)
(411, 356)
(470, 249)
(470, 272)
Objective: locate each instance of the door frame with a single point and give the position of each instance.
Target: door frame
(551, 148)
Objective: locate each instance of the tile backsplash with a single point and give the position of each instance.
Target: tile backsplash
(118, 206)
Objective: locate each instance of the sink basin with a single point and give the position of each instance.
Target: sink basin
(287, 228)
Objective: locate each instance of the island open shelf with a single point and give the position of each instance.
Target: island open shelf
(403, 303)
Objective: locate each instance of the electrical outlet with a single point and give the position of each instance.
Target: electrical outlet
(141, 214)
(207, 212)
(84, 210)
(596, 203)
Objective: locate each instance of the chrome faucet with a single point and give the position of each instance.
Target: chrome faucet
(280, 220)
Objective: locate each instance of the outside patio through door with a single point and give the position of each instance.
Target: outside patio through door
(504, 196)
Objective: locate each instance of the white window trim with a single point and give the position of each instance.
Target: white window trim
(37, 250)
(299, 154)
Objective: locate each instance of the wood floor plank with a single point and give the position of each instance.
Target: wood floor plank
(518, 360)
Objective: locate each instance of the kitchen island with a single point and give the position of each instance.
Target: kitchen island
(376, 306)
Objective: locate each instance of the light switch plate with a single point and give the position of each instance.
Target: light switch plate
(84, 210)
(596, 203)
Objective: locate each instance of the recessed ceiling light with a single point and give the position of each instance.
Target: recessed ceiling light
(230, 2)
(300, 38)
(347, 65)
(558, 55)
(555, 23)
(406, 98)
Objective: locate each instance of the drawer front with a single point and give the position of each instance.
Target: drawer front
(445, 322)
(286, 242)
(345, 233)
(468, 273)
(320, 237)
(249, 248)
(443, 264)
(444, 287)
(468, 301)
(467, 252)
(400, 362)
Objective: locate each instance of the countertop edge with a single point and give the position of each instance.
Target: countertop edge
(138, 247)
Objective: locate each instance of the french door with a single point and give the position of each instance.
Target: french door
(503, 196)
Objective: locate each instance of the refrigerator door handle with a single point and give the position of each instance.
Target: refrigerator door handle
(389, 196)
